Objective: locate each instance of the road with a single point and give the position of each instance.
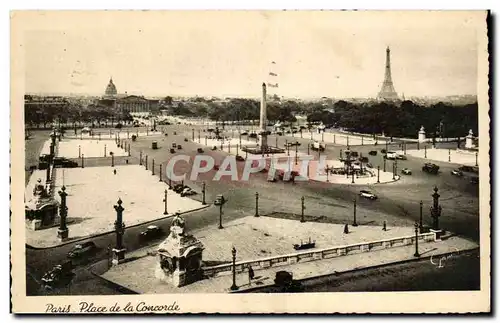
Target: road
(457, 272)
(398, 203)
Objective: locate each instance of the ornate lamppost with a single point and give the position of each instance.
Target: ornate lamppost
(421, 219)
(378, 174)
(416, 254)
(435, 210)
(234, 286)
(256, 204)
(119, 251)
(302, 219)
(62, 232)
(354, 223)
(165, 200)
(203, 193)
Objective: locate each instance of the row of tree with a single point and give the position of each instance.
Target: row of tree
(401, 119)
(73, 112)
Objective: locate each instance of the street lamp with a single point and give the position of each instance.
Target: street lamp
(166, 202)
(257, 204)
(355, 223)
(421, 217)
(203, 193)
(416, 254)
(378, 174)
(302, 210)
(234, 286)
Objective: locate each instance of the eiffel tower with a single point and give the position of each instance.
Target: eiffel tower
(387, 92)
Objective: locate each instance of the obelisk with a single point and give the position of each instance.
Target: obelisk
(263, 119)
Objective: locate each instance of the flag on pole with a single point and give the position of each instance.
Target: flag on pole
(273, 74)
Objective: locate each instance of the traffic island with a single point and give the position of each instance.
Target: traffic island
(93, 191)
(267, 245)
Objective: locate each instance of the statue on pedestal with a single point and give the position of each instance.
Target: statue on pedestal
(179, 256)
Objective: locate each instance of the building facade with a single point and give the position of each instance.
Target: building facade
(126, 103)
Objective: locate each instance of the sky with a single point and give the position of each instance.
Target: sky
(222, 53)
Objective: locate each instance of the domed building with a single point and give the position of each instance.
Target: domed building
(111, 91)
(124, 102)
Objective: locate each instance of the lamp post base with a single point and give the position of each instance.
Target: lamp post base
(62, 234)
(416, 254)
(118, 256)
(234, 287)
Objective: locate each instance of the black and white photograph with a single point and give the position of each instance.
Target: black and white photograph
(250, 162)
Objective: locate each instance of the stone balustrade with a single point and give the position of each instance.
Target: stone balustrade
(317, 254)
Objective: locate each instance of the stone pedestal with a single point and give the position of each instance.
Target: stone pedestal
(438, 233)
(421, 135)
(118, 256)
(62, 234)
(469, 140)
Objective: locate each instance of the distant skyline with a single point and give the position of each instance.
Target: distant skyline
(223, 54)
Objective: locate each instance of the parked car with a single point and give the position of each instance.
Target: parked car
(219, 199)
(252, 135)
(430, 168)
(151, 232)
(373, 153)
(291, 144)
(457, 172)
(188, 191)
(186, 140)
(363, 159)
(391, 155)
(286, 284)
(367, 194)
(279, 133)
(383, 151)
(470, 169)
(174, 145)
(64, 162)
(239, 158)
(244, 133)
(474, 180)
(81, 250)
(401, 157)
(406, 171)
(179, 147)
(200, 150)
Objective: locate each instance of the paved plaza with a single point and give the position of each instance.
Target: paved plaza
(92, 193)
(260, 237)
(454, 156)
(143, 269)
(74, 148)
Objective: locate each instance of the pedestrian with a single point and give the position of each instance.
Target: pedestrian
(114, 171)
(385, 226)
(251, 275)
(126, 161)
(346, 229)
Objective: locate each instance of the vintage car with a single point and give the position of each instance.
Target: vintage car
(151, 232)
(406, 171)
(81, 250)
(367, 194)
(456, 172)
(430, 168)
(58, 274)
(64, 163)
